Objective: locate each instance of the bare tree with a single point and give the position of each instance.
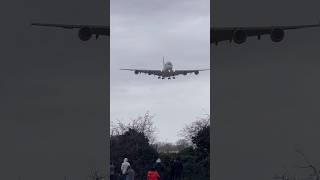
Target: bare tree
(308, 165)
(191, 130)
(143, 124)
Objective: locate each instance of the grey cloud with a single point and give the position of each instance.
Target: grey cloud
(144, 31)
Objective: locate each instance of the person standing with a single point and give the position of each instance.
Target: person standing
(130, 173)
(153, 174)
(124, 167)
(159, 168)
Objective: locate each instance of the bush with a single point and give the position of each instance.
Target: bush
(135, 146)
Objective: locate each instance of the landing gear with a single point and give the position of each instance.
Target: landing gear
(169, 78)
(159, 77)
(173, 77)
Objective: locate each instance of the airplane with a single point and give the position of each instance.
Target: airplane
(167, 71)
(237, 35)
(85, 31)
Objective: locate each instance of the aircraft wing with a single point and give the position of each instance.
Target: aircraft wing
(92, 29)
(185, 72)
(145, 71)
(239, 34)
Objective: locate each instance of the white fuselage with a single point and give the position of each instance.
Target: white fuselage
(167, 69)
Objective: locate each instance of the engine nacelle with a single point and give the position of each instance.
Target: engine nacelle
(239, 36)
(85, 33)
(196, 72)
(136, 72)
(277, 35)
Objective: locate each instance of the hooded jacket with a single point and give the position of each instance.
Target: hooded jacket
(153, 175)
(124, 166)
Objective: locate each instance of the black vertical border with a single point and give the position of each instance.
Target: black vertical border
(212, 115)
(107, 65)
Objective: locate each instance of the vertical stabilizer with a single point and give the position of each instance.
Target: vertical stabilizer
(163, 61)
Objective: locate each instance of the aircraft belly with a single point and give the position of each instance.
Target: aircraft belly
(167, 74)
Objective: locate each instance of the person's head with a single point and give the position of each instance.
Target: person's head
(153, 169)
(158, 160)
(125, 160)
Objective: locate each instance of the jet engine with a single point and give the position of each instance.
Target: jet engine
(85, 33)
(136, 72)
(277, 35)
(239, 36)
(196, 72)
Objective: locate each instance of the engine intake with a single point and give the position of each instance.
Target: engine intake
(85, 33)
(239, 36)
(196, 72)
(277, 35)
(136, 72)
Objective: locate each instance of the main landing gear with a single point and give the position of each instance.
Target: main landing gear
(159, 77)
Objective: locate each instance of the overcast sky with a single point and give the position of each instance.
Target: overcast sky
(144, 31)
